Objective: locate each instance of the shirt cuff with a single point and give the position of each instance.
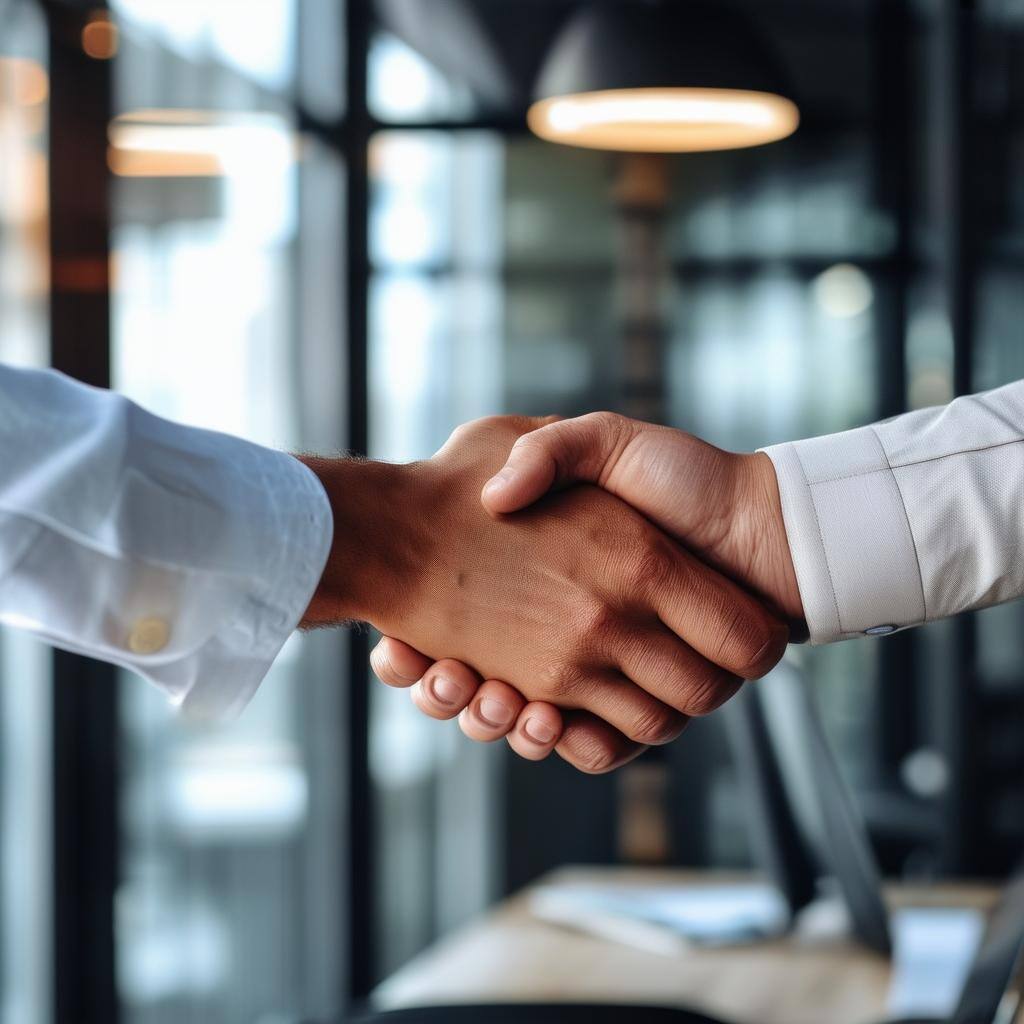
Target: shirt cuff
(849, 536)
(297, 526)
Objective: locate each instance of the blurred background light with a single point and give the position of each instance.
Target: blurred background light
(843, 291)
(929, 358)
(663, 78)
(223, 791)
(665, 120)
(197, 143)
(925, 772)
(100, 36)
(23, 82)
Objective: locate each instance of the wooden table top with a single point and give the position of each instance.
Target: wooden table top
(508, 955)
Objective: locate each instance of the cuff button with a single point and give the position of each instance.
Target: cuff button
(149, 636)
(879, 630)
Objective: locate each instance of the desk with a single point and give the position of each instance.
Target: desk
(509, 956)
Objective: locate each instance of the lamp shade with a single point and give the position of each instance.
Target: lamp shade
(661, 77)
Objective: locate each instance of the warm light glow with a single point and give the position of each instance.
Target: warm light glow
(196, 143)
(843, 291)
(665, 120)
(99, 36)
(23, 82)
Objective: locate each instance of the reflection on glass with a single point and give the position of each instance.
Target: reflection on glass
(255, 39)
(403, 86)
(785, 201)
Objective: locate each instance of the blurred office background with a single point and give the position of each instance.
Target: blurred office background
(325, 225)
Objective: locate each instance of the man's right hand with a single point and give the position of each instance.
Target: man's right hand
(579, 601)
(723, 505)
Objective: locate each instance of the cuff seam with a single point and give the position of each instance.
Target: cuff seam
(821, 538)
(910, 526)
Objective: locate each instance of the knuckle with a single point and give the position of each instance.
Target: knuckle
(509, 427)
(656, 726)
(499, 422)
(649, 568)
(606, 421)
(462, 432)
(594, 756)
(761, 645)
(561, 679)
(596, 620)
(504, 428)
(709, 692)
(528, 445)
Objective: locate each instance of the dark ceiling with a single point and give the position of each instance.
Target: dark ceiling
(497, 46)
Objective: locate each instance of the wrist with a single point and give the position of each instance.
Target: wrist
(372, 548)
(772, 567)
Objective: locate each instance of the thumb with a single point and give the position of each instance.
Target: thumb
(582, 449)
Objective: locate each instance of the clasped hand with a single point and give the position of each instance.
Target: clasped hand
(594, 619)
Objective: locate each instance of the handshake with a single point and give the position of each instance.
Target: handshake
(585, 586)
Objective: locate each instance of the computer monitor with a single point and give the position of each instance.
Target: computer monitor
(804, 823)
(777, 842)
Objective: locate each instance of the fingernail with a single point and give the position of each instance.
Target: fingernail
(445, 691)
(493, 712)
(498, 481)
(538, 730)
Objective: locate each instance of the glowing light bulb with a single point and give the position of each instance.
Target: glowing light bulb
(673, 120)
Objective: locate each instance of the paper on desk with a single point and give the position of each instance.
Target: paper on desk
(664, 920)
(932, 952)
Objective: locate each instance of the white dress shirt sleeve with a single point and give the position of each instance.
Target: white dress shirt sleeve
(913, 519)
(185, 555)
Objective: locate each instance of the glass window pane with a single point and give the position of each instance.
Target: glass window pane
(227, 245)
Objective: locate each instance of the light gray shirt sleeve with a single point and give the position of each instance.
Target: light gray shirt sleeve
(913, 519)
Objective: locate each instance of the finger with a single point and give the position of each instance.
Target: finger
(627, 707)
(585, 448)
(593, 746)
(537, 730)
(675, 673)
(492, 712)
(445, 689)
(718, 619)
(397, 664)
